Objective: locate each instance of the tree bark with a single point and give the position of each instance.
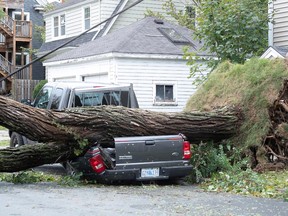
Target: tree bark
(78, 129)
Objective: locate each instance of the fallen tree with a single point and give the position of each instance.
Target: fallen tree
(70, 132)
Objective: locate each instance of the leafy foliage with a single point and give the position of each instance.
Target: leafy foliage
(230, 29)
(208, 159)
(38, 87)
(40, 32)
(233, 30)
(26, 177)
(31, 177)
(248, 182)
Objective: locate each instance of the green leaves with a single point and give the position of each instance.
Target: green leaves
(269, 185)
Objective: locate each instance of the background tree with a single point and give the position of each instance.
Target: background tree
(231, 29)
(234, 30)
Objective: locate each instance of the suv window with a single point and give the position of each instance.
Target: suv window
(42, 99)
(98, 98)
(57, 95)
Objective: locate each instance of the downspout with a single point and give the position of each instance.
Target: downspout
(270, 24)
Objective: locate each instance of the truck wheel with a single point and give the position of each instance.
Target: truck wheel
(69, 168)
(16, 140)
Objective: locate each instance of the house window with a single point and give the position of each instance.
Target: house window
(191, 13)
(87, 18)
(56, 26)
(59, 25)
(164, 93)
(62, 22)
(22, 59)
(173, 35)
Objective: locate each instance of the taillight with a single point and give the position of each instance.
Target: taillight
(97, 164)
(186, 150)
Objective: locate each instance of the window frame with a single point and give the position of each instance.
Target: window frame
(62, 25)
(191, 11)
(86, 18)
(172, 102)
(59, 28)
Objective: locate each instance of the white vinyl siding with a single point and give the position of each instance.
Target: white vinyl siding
(74, 24)
(280, 27)
(101, 10)
(141, 72)
(85, 70)
(138, 12)
(145, 73)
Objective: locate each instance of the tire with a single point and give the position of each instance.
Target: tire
(16, 140)
(69, 168)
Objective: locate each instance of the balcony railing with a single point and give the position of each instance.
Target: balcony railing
(7, 22)
(5, 65)
(22, 28)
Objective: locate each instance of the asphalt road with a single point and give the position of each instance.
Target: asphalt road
(49, 199)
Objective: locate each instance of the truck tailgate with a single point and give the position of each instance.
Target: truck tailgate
(149, 151)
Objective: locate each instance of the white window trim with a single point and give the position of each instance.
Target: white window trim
(59, 26)
(162, 103)
(83, 11)
(26, 56)
(19, 13)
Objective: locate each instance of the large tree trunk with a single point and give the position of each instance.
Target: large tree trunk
(77, 129)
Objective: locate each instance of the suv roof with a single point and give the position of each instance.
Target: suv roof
(79, 85)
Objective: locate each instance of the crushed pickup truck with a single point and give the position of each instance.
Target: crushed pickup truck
(132, 158)
(137, 158)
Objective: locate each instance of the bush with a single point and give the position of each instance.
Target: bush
(38, 87)
(207, 159)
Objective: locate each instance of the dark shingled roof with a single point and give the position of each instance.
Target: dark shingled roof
(48, 46)
(281, 50)
(142, 37)
(66, 3)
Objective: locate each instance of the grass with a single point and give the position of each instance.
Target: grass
(253, 87)
(32, 176)
(2, 128)
(4, 143)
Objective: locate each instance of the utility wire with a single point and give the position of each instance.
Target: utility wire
(39, 58)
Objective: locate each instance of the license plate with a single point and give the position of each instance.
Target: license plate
(149, 172)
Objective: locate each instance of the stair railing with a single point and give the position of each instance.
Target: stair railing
(7, 21)
(5, 65)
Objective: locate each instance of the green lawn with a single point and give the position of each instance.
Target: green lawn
(4, 143)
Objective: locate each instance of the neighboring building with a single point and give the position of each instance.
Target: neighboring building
(73, 17)
(147, 53)
(16, 32)
(278, 30)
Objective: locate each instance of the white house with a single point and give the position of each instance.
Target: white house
(127, 49)
(147, 53)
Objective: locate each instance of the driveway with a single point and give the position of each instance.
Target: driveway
(49, 199)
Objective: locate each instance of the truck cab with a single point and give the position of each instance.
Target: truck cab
(67, 95)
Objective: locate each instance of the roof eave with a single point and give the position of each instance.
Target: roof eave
(66, 8)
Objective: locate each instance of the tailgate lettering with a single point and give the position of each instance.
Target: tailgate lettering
(126, 157)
